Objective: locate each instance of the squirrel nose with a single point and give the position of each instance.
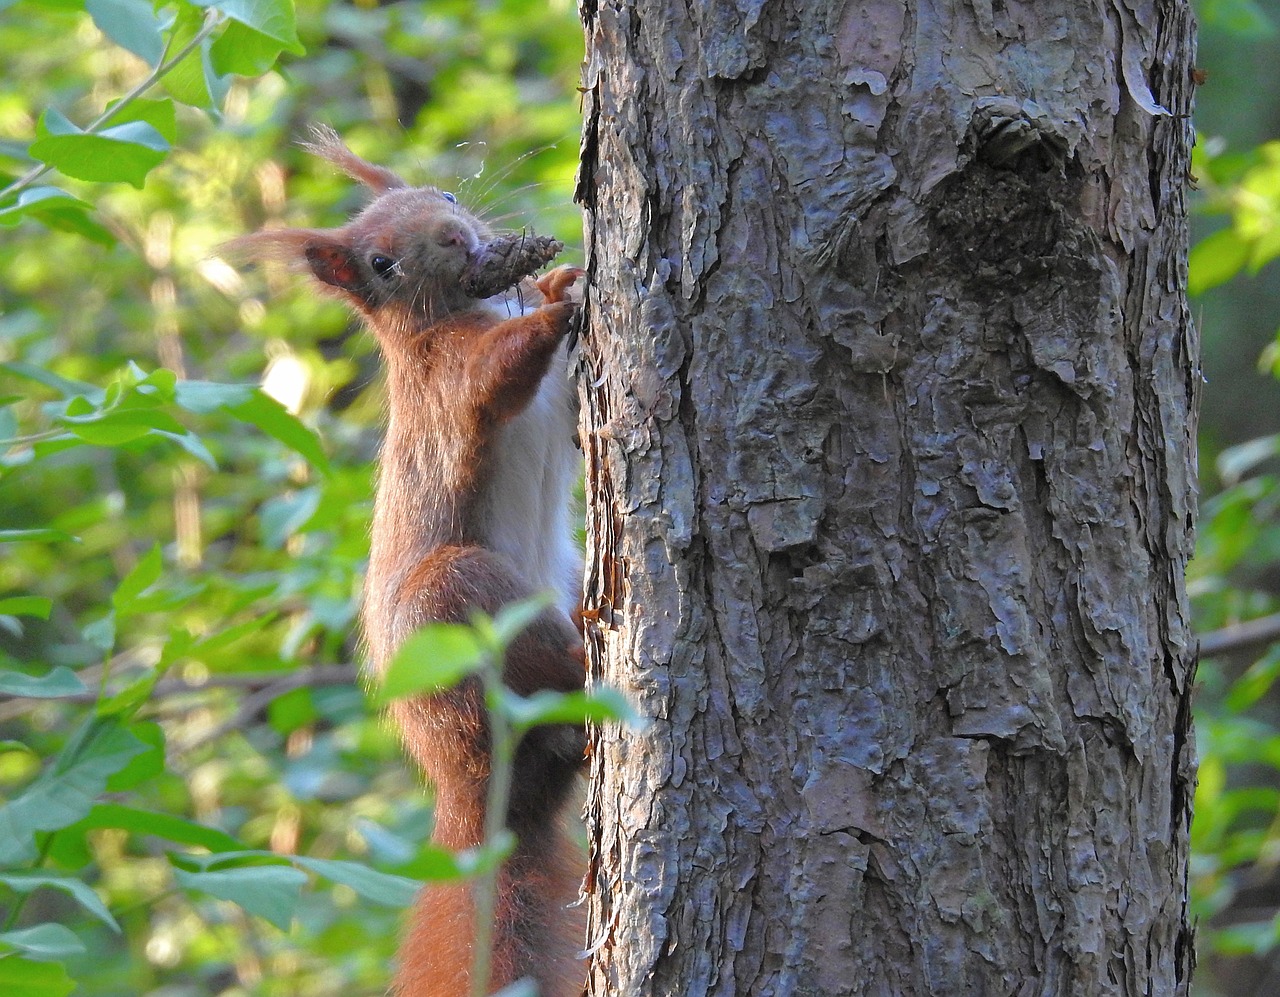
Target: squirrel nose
(453, 235)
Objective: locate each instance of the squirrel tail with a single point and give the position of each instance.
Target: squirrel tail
(536, 931)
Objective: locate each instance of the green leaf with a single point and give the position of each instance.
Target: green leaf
(275, 420)
(292, 710)
(250, 405)
(227, 636)
(283, 515)
(23, 978)
(141, 577)
(513, 619)
(66, 791)
(160, 825)
(207, 397)
(546, 707)
(126, 701)
(193, 445)
(122, 153)
(380, 887)
(26, 882)
(27, 605)
(1238, 17)
(146, 764)
(55, 208)
(101, 633)
(1215, 259)
(44, 941)
(65, 387)
(436, 657)
(242, 51)
(131, 24)
(113, 427)
(271, 892)
(42, 535)
(273, 18)
(194, 80)
(436, 864)
(62, 681)
(159, 114)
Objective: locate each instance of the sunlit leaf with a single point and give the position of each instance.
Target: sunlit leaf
(122, 153)
(436, 657)
(26, 605)
(159, 114)
(189, 82)
(141, 577)
(21, 977)
(249, 404)
(1215, 259)
(244, 51)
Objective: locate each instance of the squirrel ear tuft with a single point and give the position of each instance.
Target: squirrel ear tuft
(323, 253)
(280, 245)
(326, 144)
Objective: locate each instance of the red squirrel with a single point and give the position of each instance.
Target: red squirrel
(471, 513)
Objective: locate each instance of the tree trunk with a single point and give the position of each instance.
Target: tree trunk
(889, 406)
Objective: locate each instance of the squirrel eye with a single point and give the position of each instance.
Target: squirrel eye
(448, 197)
(383, 266)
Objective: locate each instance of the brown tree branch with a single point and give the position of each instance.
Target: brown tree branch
(1238, 636)
(276, 683)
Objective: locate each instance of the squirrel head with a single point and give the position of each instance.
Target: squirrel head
(398, 262)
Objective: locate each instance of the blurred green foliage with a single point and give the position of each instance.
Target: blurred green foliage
(197, 798)
(1234, 582)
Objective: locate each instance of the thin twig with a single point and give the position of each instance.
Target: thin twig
(279, 682)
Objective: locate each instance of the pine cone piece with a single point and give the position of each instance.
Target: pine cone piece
(504, 262)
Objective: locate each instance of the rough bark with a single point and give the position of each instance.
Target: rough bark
(889, 402)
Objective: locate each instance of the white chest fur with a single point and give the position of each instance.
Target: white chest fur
(524, 508)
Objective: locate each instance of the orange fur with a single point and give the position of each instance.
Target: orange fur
(470, 515)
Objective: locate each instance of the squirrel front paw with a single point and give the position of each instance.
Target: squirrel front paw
(562, 315)
(554, 284)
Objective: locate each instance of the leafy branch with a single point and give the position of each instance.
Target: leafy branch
(213, 20)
